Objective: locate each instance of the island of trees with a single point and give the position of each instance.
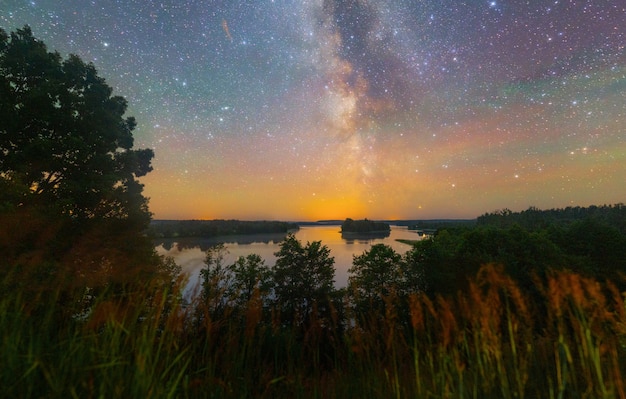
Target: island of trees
(364, 226)
(519, 304)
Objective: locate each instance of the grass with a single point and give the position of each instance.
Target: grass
(493, 341)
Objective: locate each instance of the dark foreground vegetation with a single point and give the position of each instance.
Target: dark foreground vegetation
(527, 304)
(505, 325)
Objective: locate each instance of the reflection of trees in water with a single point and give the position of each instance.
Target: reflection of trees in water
(204, 244)
(363, 238)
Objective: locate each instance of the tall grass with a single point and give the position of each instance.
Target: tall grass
(564, 340)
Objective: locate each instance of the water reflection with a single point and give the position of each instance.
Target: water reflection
(190, 253)
(206, 243)
(364, 238)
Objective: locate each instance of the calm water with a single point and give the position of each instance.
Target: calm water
(189, 253)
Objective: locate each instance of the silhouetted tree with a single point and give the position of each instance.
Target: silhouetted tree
(374, 276)
(70, 202)
(363, 226)
(64, 139)
(303, 280)
(432, 264)
(595, 249)
(250, 277)
(215, 280)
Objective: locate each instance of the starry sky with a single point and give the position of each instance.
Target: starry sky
(385, 109)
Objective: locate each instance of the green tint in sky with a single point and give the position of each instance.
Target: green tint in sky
(380, 109)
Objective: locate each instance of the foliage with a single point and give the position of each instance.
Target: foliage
(303, 280)
(592, 248)
(230, 288)
(493, 338)
(537, 219)
(363, 226)
(72, 211)
(374, 276)
(480, 343)
(63, 138)
(251, 277)
(215, 281)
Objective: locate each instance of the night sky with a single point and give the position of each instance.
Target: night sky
(307, 110)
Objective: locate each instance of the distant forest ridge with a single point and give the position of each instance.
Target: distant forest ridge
(537, 219)
(530, 219)
(215, 228)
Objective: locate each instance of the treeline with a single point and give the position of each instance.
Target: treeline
(489, 311)
(363, 226)
(536, 219)
(486, 312)
(443, 265)
(529, 245)
(214, 228)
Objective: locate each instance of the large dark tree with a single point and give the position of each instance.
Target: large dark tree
(303, 280)
(69, 195)
(374, 276)
(63, 136)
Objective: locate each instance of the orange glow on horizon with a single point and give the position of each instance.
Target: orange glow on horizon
(333, 209)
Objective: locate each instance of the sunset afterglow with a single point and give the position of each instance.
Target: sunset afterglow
(309, 110)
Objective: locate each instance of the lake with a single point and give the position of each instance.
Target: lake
(189, 253)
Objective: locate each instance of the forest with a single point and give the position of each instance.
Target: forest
(363, 226)
(518, 304)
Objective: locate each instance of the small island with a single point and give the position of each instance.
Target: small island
(364, 227)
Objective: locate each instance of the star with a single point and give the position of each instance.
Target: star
(236, 101)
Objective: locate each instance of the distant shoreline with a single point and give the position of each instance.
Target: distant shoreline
(196, 228)
(160, 229)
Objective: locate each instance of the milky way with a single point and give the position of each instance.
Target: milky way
(304, 110)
